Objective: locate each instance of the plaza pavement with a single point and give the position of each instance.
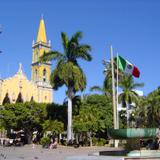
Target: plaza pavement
(38, 153)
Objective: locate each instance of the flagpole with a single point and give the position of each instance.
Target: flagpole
(113, 91)
(117, 95)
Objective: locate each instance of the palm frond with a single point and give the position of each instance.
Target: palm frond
(52, 55)
(60, 62)
(133, 97)
(138, 85)
(96, 88)
(72, 76)
(82, 52)
(76, 37)
(73, 43)
(122, 98)
(64, 41)
(56, 80)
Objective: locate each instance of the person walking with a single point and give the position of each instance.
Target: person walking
(34, 140)
(53, 143)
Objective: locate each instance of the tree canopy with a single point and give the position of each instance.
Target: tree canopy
(24, 116)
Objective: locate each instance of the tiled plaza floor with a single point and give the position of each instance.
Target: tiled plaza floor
(38, 153)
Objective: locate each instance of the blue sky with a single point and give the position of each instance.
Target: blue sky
(132, 27)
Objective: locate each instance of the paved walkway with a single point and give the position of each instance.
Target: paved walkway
(38, 153)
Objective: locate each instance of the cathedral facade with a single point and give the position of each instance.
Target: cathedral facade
(37, 89)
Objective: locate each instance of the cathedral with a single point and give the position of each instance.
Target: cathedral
(37, 89)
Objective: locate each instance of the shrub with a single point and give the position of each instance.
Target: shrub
(94, 141)
(45, 141)
(101, 142)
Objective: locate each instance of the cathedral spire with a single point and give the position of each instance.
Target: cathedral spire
(41, 71)
(41, 37)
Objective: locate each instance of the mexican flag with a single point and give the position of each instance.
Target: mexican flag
(127, 67)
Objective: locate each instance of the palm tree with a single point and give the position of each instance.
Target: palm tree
(67, 71)
(106, 89)
(128, 94)
(148, 111)
(153, 106)
(141, 112)
(76, 103)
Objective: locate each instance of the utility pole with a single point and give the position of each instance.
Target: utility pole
(113, 91)
(115, 118)
(114, 96)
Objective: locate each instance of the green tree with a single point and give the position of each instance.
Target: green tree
(67, 71)
(95, 117)
(57, 112)
(128, 94)
(55, 126)
(141, 112)
(107, 84)
(104, 105)
(76, 103)
(24, 116)
(151, 109)
(87, 121)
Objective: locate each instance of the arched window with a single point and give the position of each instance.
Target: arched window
(44, 75)
(36, 75)
(32, 99)
(36, 58)
(19, 98)
(6, 99)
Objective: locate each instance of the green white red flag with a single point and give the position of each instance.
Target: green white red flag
(127, 67)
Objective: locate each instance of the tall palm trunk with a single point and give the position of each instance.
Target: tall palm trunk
(127, 112)
(69, 127)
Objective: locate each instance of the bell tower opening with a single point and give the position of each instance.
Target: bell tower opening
(44, 75)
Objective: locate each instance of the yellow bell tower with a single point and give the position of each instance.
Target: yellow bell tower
(39, 88)
(40, 71)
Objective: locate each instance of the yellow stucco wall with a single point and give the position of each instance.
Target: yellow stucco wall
(19, 83)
